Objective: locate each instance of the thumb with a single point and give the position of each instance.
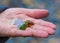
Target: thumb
(38, 13)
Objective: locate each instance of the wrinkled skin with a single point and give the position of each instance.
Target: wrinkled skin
(41, 28)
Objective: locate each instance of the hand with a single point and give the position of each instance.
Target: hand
(41, 28)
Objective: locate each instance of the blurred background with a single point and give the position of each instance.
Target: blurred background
(54, 8)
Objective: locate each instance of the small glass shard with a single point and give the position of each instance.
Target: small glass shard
(27, 23)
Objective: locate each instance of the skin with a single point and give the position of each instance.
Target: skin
(41, 28)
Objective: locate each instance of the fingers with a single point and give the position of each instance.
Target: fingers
(39, 33)
(47, 29)
(34, 31)
(15, 32)
(42, 23)
(35, 13)
(28, 33)
(45, 23)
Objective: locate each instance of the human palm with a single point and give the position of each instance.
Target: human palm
(40, 28)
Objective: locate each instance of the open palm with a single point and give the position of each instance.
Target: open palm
(40, 28)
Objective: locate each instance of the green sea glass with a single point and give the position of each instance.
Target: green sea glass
(27, 23)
